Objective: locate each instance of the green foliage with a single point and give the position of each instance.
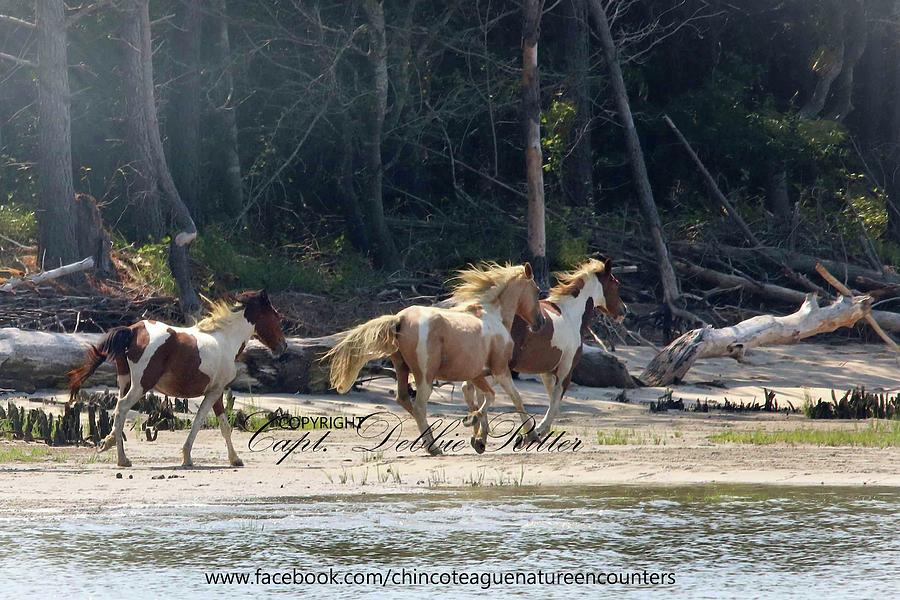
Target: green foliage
(556, 127)
(152, 264)
(17, 223)
(335, 268)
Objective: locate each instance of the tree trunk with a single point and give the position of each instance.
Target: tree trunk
(146, 144)
(183, 120)
(228, 162)
(671, 292)
(577, 167)
(383, 249)
(353, 214)
(57, 226)
(144, 213)
(856, 34)
(531, 121)
(674, 361)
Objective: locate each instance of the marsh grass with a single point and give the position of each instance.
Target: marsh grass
(878, 434)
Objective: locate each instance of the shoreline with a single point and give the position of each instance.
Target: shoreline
(623, 444)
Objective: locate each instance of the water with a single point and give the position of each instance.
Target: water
(719, 541)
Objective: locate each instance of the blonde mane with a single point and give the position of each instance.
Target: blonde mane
(221, 313)
(568, 281)
(484, 283)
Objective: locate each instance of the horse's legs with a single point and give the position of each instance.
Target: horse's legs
(479, 417)
(506, 382)
(208, 400)
(470, 395)
(225, 428)
(402, 371)
(123, 405)
(419, 412)
(555, 392)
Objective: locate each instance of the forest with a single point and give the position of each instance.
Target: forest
(359, 151)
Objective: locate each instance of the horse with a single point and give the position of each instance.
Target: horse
(182, 361)
(463, 343)
(553, 352)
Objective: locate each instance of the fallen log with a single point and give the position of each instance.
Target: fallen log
(674, 361)
(889, 321)
(82, 265)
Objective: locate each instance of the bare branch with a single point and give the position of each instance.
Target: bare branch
(19, 61)
(15, 21)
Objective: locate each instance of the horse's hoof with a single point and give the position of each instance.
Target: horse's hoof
(124, 462)
(469, 421)
(478, 444)
(105, 444)
(237, 462)
(435, 451)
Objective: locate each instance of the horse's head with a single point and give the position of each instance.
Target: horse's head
(614, 307)
(266, 321)
(529, 305)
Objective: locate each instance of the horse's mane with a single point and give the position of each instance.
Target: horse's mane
(483, 283)
(221, 313)
(569, 283)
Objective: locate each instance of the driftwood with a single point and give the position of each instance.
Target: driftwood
(82, 265)
(674, 361)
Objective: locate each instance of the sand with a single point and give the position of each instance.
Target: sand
(667, 448)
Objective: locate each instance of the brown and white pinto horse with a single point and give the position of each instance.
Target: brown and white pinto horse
(553, 352)
(182, 361)
(463, 343)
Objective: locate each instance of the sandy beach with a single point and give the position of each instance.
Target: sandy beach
(656, 448)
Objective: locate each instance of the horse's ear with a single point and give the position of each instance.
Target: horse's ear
(529, 273)
(263, 294)
(607, 263)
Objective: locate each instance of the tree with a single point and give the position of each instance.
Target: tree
(531, 122)
(383, 248)
(69, 226)
(146, 146)
(57, 228)
(227, 162)
(183, 120)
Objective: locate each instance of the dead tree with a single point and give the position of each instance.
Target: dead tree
(674, 361)
(531, 121)
(142, 124)
(671, 291)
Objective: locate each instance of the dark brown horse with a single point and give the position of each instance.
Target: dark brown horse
(553, 352)
(182, 361)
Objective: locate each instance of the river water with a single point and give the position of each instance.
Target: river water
(716, 541)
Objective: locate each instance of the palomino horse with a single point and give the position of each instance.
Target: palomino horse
(463, 343)
(182, 361)
(554, 350)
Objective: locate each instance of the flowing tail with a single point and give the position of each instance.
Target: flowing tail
(114, 344)
(374, 339)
